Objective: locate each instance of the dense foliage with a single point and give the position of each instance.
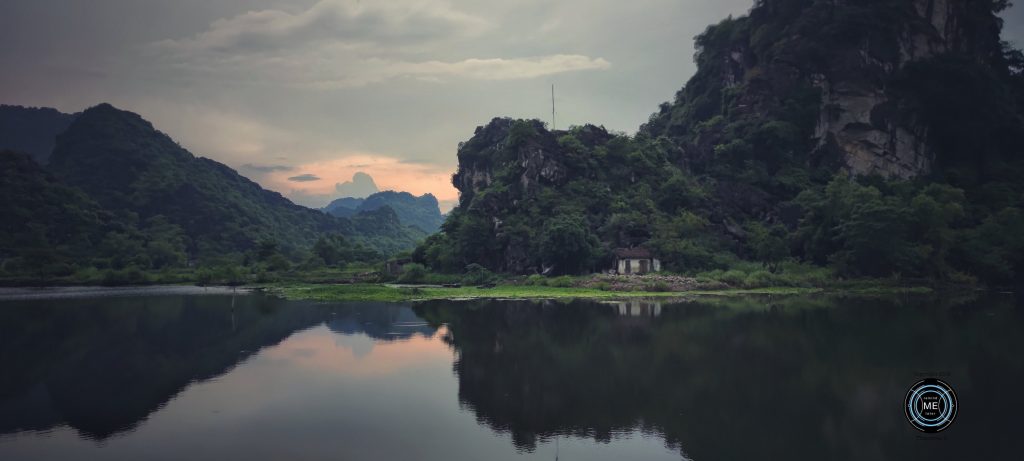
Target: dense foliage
(734, 169)
(45, 223)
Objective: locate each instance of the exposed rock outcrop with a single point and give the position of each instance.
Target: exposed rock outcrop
(752, 69)
(859, 115)
(534, 156)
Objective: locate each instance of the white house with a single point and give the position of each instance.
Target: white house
(635, 261)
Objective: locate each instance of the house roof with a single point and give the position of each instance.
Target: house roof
(632, 253)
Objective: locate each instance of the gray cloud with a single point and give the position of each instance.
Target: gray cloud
(361, 185)
(307, 177)
(241, 81)
(345, 43)
(266, 168)
(355, 23)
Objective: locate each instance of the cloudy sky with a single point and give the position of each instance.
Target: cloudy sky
(302, 94)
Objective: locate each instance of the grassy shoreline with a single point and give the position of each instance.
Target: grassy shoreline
(365, 283)
(397, 293)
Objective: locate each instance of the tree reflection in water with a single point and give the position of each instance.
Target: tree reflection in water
(790, 378)
(103, 365)
(751, 378)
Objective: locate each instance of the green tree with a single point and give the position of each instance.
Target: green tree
(767, 244)
(567, 244)
(332, 249)
(165, 243)
(413, 273)
(477, 275)
(266, 248)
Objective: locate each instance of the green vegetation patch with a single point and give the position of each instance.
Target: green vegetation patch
(400, 293)
(396, 293)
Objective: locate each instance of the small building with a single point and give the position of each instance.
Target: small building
(635, 261)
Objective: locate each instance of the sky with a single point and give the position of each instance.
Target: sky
(300, 95)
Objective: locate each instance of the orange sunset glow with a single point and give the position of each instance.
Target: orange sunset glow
(320, 350)
(389, 173)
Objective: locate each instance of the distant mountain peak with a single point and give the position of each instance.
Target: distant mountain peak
(107, 113)
(422, 212)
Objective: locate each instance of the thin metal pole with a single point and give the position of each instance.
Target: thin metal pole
(553, 127)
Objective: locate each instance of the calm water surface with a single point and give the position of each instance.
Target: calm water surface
(217, 376)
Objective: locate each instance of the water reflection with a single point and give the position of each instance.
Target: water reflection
(253, 377)
(102, 365)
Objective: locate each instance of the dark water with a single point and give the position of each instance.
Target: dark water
(249, 377)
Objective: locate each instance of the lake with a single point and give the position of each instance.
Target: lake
(217, 375)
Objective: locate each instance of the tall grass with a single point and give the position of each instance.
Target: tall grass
(789, 274)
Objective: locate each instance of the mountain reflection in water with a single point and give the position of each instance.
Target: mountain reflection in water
(248, 376)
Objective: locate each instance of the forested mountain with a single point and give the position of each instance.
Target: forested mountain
(343, 207)
(32, 130)
(46, 224)
(877, 137)
(128, 167)
(118, 193)
(422, 212)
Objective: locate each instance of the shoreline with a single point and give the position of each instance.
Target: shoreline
(392, 293)
(79, 292)
(384, 292)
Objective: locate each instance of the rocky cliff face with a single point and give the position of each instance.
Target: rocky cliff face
(521, 148)
(850, 52)
(858, 114)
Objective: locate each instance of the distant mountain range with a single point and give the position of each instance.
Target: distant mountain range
(113, 183)
(422, 212)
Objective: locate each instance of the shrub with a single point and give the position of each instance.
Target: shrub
(169, 275)
(733, 277)
(88, 274)
(658, 287)
(960, 278)
(204, 276)
(760, 279)
(561, 282)
(536, 280)
(804, 275)
(477, 275)
(130, 275)
(228, 275)
(434, 278)
(277, 263)
(410, 291)
(263, 276)
(413, 273)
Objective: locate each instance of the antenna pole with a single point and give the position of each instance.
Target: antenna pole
(552, 107)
